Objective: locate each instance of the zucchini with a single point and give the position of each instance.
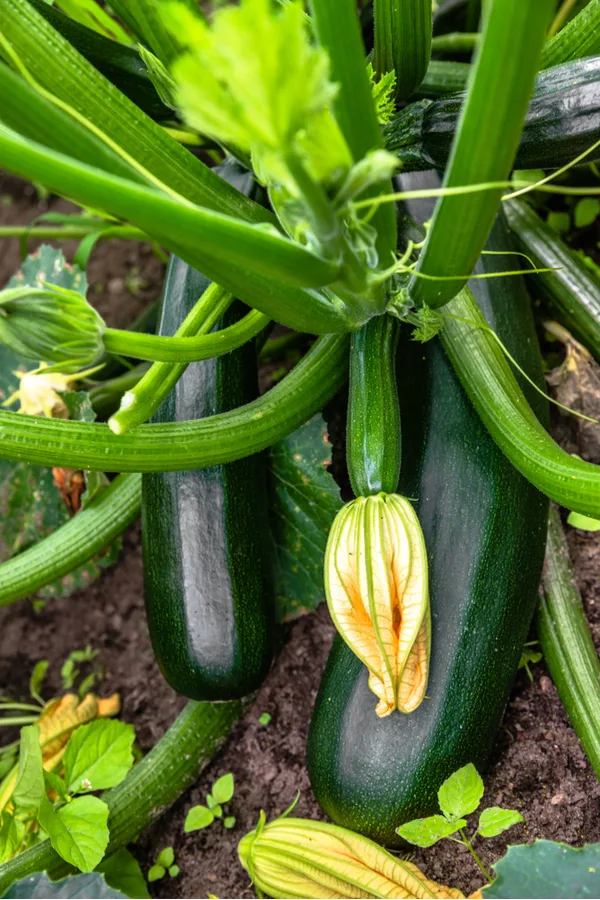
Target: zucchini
(562, 121)
(117, 62)
(206, 569)
(572, 288)
(485, 528)
(373, 443)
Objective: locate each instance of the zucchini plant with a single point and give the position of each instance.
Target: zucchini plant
(303, 228)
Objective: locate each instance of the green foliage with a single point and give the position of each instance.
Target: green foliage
(547, 869)
(164, 863)
(529, 656)
(37, 677)
(304, 500)
(93, 887)
(70, 671)
(384, 90)
(98, 756)
(459, 796)
(586, 212)
(264, 718)
(122, 873)
(584, 523)
(202, 816)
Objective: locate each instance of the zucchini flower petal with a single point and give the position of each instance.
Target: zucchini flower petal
(303, 858)
(378, 596)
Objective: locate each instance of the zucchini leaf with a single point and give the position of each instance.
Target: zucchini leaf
(304, 500)
(93, 886)
(547, 869)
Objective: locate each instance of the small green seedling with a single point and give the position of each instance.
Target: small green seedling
(530, 657)
(460, 796)
(264, 718)
(203, 816)
(163, 864)
(70, 670)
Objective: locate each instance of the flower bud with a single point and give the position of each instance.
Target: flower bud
(378, 596)
(303, 858)
(51, 324)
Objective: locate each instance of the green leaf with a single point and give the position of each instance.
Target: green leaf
(559, 222)
(159, 76)
(304, 500)
(494, 820)
(229, 822)
(99, 755)
(155, 873)
(166, 857)
(461, 793)
(12, 832)
(29, 789)
(36, 679)
(78, 831)
(547, 869)
(529, 656)
(584, 523)
(586, 211)
(426, 832)
(92, 887)
(122, 872)
(197, 818)
(223, 788)
(264, 718)
(174, 871)
(55, 783)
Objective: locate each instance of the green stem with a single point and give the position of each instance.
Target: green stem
(105, 396)
(455, 42)
(403, 42)
(185, 349)
(71, 232)
(145, 397)
(580, 37)
(74, 543)
(492, 388)
(567, 644)
(149, 789)
(19, 720)
(444, 77)
(474, 854)
(484, 145)
(27, 707)
(184, 445)
(561, 17)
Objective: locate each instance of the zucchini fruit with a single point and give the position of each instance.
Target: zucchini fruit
(562, 121)
(485, 529)
(206, 567)
(122, 65)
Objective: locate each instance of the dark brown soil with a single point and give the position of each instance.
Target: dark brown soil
(539, 767)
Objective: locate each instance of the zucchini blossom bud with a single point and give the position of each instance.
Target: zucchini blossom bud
(52, 324)
(378, 596)
(303, 858)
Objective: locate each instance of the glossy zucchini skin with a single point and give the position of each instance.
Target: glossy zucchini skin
(484, 527)
(122, 65)
(207, 569)
(563, 120)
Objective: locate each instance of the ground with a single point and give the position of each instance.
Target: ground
(538, 768)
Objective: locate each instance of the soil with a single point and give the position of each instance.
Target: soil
(538, 768)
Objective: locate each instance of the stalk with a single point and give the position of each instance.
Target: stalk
(484, 146)
(74, 543)
(246, 261)
(567, 643)
(71, 232)
(580, 37)
(571, 288)
(455, 42)
(147, 395)
(184, 445)
(444, 77)
(403, 42)
(338, 30)
(105, 396)
(149, 789)
(491, 386)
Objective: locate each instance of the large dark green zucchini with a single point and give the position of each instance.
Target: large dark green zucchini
(563, 120)
(485, 528)
(122, 65)
(207, 572)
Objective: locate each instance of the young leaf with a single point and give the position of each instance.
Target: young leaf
(78, 831)
(264, 718)
(587, 211)
(495, 820)
(460, 794)
(37, 677)
(155, 873)
(229, 822)
(122, 872)
(29, 789)
(55, 783)
(98, 755)
(166, 857)
(197, 818)
(426, 832)
(223, 788)
(174, 871)
(12, 832)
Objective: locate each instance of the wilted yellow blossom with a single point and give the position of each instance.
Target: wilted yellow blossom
(378, 596)
(303, 858)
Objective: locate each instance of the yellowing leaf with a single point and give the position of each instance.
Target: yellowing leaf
(302, 858)
(377, 592)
